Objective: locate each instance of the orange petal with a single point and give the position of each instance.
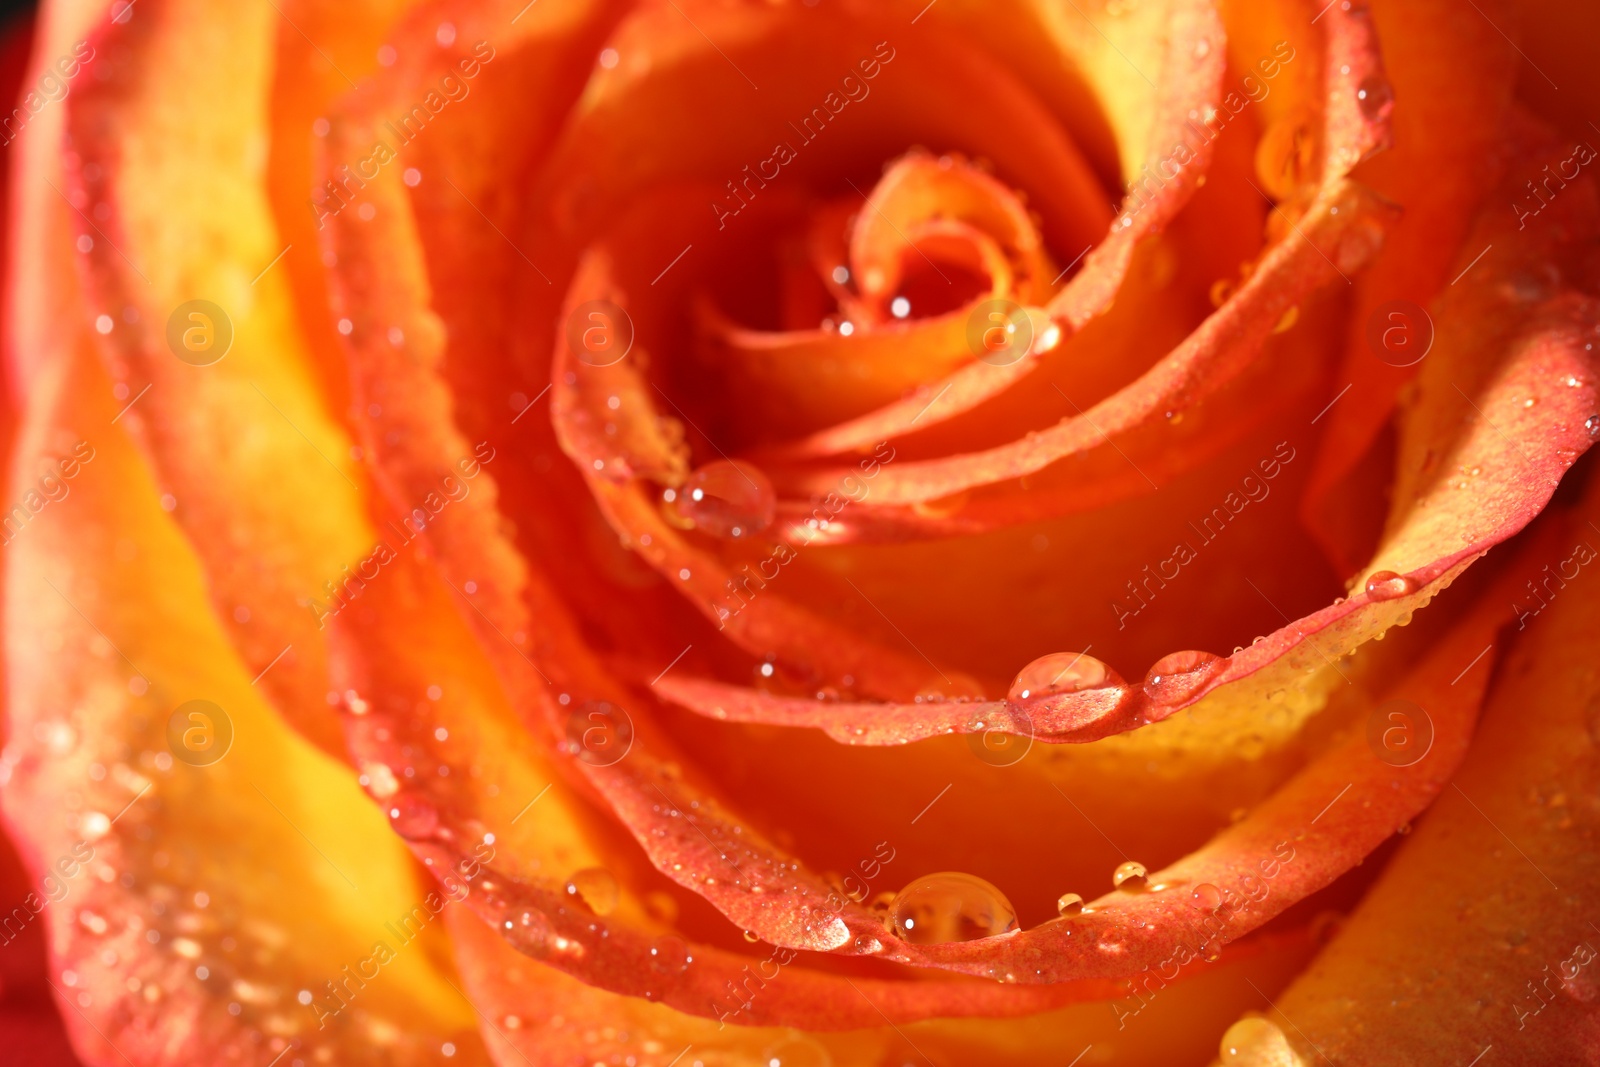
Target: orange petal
(1448, 120)
(140, 144)
(193, 899)
(1478, 935)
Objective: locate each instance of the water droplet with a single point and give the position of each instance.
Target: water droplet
(950, 906)
(751, 936)
(1287, 152)
(413, 817)
(1061, 672)
(1256, 1042)
(1202, 48)
(1206, 897)
(1288, 319)
(1211, 951)
(670, 955)
(727, 499)
(530, 933)
(1386, 585)
(1220, 291)
(596, 887)
(1376, 97)
(800, 1051)
(1069, 904)
(1177, 676)
(1592, 424)
(1130, 874)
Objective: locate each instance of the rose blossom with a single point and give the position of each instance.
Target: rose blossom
(826, 533)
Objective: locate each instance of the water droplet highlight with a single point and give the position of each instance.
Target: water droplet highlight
(727, 499)
(1130, 874)
(413, 817)
(1061, 672)
(950, 906)
(1592, 424)
(670, 955)
(1069, 904)
(1256, 1042)
(1206, 897)
(1387, 585)
(1179, 675)
(597, 888)
(1376, 97)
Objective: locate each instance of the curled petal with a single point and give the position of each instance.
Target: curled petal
(1477, 935)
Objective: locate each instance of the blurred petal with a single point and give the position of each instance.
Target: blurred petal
(193, 902)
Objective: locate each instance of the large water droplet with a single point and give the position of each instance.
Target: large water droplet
(1255, 1042)
(670, 955)
(596, 887)
(1177, 676)
(530, 932)
(1206, 897)
(1061, 672)
(1130, 874)
(1069, 904)
(800, 1051)
(1286, 154)
(413, 817)
(727, 499)
(950, 906)
(1387, 585)
(1376, 97)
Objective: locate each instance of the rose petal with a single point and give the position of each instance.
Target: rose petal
(1259, 867)
(141, 147)
(186, 888)
(504, 829)
(1446, 156)
(1479, 924)
(1346, 221)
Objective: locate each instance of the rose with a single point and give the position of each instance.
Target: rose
(581, 694)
